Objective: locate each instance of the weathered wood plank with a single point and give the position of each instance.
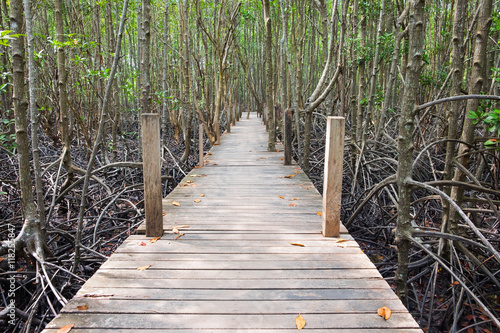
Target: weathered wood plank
(240, 274)
(96, 305)
(259, 321)
(100, 281)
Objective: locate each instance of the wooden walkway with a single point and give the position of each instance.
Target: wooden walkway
(234, 269)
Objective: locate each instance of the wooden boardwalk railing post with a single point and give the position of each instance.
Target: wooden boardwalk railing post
(288, 137)
(332, 186)
(152, 174)
(200, 144)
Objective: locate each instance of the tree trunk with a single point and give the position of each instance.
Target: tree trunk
(271, 119)
(454, 107)
(476, 84)
(405, 144)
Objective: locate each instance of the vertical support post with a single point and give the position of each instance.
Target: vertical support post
(332, 186)
(287, 131)
(200, 144)
(152, 174)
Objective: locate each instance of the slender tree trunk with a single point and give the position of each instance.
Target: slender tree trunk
(99, 136)
(456, 87)
(405, 144)
(477, 83)
(271, 120)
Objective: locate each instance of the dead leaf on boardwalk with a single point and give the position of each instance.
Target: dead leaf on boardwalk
(300, 322)
(281, 197)
(189, 181)
(202, 195)
(341, 240)
(143, 268)
(82, 307)
(180, 235)
(297, 244)
(175, 230)
(175, 203)
(154, 240)
(293, 199)
(384, 312)
(297, 172)
(163, 213)
(320, 213)
(292, 205)
(296, 169)
(141, 244)
(307, 187)
(290, 176)
(65, 329)
(197, 200)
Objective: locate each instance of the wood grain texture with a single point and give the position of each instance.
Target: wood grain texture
(150, 129)
(332, 179)
(234, 268)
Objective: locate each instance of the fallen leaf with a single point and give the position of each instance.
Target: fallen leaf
(341, 240)
(202, 195)
(163, 213)
(82, 307)
(180, 235)
(281, 197)
(180, 227)
(65, 329)
(175, 230)
(300, 322)
(154, 240)
(296, 244)
(210, 154)
(292, 205)
(384, 312)
(319, 213)
(197, 200)
(455, 283)
(175, 203)
(281, 159)
(297, 172)
(296, 169)
(307, 188)
(189, 181)
(290, 176)
(143, 268)
(293, 199)
(141, 244)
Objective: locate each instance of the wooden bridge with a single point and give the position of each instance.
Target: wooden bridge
(246, 255)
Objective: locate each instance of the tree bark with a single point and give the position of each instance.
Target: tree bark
(271, 119)
(476, 84)
(405, 144)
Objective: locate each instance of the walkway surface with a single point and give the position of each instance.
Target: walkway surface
(234, 267)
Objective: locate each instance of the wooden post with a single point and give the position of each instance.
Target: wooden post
(200, 144)
(332, 186)
(152, 174)
(287, 131)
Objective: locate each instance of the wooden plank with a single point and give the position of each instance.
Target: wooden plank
(96, 305)
(261, 321)
(152, 173)
(242, 264)
(100, 281)
(240, 274)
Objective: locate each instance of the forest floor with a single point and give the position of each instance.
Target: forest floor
(113, 214)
